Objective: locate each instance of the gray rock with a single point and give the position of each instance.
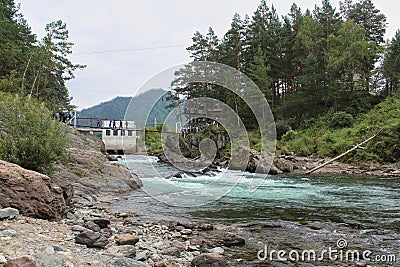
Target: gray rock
(172, 251)
(284, 165)
(92, 226)
(8, 232)
(49, 250)
(209, 260)
(8, 213)
(91, 239)
(142, 256)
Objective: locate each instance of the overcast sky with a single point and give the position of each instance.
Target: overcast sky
(156, 34)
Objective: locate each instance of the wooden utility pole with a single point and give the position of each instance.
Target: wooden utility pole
(343, 154)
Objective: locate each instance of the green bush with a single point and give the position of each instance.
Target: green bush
(153, 140)
(29, 136)
(332, 135)
(341, 120)
(289, 135)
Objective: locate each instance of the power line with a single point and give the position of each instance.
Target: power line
(129, 50)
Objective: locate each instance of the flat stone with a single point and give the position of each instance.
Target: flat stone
(209, 259)
(8, 232)
(91, 239)
(24, 261)
(126, 239)
(8, 213)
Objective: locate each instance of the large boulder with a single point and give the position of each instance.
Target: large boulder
(32, 193)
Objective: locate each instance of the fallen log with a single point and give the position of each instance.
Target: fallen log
(344, 153)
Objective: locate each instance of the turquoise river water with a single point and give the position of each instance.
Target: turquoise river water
(233, 197)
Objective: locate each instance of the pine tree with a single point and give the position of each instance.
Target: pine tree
(349, 56)
(391, 65)
(55, 68)
(328, 18)
(365, 14)
(16, 44)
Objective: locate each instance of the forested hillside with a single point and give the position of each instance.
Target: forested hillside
(307, 63)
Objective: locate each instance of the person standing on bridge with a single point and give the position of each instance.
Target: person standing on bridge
(98, 123)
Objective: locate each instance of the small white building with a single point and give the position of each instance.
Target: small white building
(119, 141)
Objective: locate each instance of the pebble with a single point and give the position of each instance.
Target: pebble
(126, 239)
(2, 259)
(186, 231)
(49, 250)
(9, 232)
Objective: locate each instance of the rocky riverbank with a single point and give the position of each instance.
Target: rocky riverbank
(92, 236)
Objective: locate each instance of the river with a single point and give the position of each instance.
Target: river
(235, 197)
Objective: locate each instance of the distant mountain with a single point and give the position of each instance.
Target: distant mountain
(149, 107)
(146, 108)
(113, 109)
